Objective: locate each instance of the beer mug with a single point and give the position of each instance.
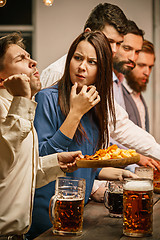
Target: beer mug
(113, 199)
(144, 172)
(156, 181)
(67, 205)
(138, 207)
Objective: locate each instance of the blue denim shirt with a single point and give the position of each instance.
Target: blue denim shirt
(48, 120)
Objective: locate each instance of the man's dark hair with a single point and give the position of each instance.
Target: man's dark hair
(6, 41)
(109, 14)
(134, 29)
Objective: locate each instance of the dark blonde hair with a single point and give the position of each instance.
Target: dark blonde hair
(6, 41)
(148, 47)
(104, 84)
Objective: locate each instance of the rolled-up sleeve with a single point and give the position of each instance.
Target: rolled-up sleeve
(48, 170)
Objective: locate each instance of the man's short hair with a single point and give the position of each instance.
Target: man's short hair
(148, 47)
(109, 14)
(134, 29)
(6, 41)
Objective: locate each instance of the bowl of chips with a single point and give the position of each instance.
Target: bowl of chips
(109, 157)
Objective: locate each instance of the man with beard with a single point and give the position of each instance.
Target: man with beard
(124, 62)
(135, 82)
(125, 57)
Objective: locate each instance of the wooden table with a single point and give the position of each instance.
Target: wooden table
(99, 226)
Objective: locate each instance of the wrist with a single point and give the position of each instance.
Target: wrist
(75, 115)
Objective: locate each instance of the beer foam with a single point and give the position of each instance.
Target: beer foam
(138, 186)
(69, 199)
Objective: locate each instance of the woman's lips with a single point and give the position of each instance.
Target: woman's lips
(80, 76)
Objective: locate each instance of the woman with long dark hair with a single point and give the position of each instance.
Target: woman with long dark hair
(75, 113)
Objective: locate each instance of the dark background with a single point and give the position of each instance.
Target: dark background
(17, 12)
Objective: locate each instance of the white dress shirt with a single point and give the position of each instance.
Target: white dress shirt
(132, 136)
(53, 72)
(21, 168)
(117, 89)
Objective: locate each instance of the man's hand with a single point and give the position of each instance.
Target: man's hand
(67, 160)
(146, 161)
(18, 85)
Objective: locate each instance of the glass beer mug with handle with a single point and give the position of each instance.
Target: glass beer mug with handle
(67, 205)
(113, 198)
(138, 207)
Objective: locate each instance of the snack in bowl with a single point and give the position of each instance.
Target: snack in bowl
(111, 153)
(112, 156)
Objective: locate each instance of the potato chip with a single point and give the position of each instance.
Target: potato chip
(112, 152)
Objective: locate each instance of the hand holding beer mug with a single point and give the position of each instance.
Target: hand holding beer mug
(113, 198)
(137, 207)
(67, 205)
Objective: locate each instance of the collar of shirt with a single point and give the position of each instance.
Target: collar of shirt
(115, 79)
(120, 77)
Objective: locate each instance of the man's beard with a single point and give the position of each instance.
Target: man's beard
(119, 66)
(131, 80)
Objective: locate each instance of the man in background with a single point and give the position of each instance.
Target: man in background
(135, 83)
(125, 58)
(107, 18)
(124, 62)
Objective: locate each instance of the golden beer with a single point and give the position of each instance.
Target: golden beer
(156, 181)
(67, 205)
(138, 207)
(68, 215)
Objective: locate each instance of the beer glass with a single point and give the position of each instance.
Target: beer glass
(156, 181)
(67, 205)
(113, 199)
(137, 207)
(144, 172)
